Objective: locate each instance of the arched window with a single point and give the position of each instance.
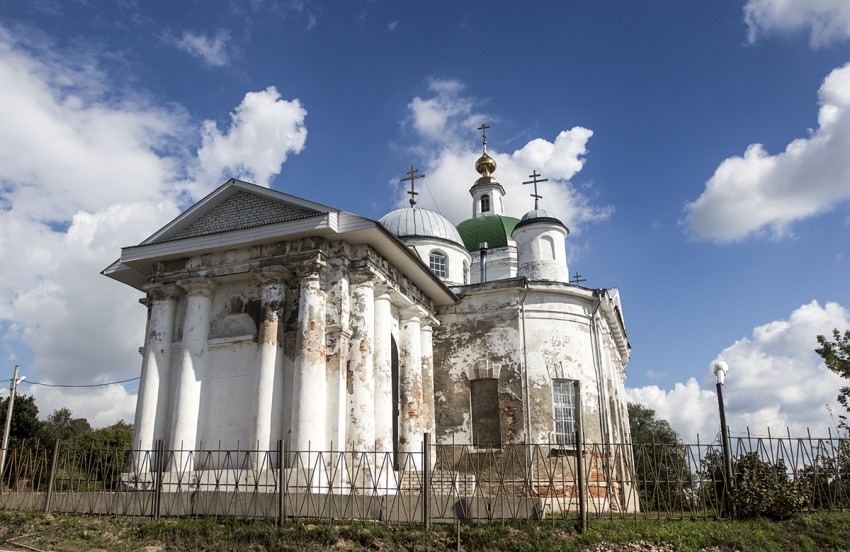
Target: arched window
(485, 203)
(465, 272)
(547, 248)
(439, 264)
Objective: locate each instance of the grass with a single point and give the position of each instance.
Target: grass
(820, 531)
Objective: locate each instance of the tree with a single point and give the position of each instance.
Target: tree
(62, 425)
(25, 426)
(662, 471)
(836, 355)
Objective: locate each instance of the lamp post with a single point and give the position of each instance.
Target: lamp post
(720, 371)
(13, 388)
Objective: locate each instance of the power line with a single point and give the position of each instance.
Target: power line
(79, 386)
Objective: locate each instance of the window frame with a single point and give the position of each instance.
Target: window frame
(486, 204)
(434, 263)
(564, 412)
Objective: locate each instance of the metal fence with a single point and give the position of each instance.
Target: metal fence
(439, 483)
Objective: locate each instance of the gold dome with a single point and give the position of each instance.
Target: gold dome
(485, 165)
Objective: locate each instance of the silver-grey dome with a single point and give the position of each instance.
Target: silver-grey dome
(540, 216)
(539, 213)
(420, 223)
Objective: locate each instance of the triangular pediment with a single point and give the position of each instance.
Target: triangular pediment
(235, 206)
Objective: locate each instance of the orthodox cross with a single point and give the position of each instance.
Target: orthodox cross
(534, 180)
(412, 178)
(577, 279)
(483, 128)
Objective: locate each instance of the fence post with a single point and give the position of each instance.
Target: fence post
(52, 477)
(582, 497)
(426, 476)
(280, 496)
(158, 477)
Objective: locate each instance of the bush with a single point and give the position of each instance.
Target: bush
(765, 490)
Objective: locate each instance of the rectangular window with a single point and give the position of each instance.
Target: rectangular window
(563, 401)
(486, 428)
(438, 265)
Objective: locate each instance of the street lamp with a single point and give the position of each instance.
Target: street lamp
(720, 371)
(13, 388)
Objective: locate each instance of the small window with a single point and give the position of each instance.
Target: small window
(547, 248)
(486, 430)
(563, 401)
(485, 203)
(465, 272)
(439, 264)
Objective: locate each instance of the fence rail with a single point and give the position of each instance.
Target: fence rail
(441, 483)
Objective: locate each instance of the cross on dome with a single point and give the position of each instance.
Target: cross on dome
(412, 178)
(483, 128)
(535, 180)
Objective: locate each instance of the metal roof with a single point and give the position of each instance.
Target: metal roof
(412, 222)
(494, 229)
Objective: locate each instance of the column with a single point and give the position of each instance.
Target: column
(151, 421)
(187, 400)
(410, 386)
(310, 379)
(360, 387)
(269, 362)
(383, 389)
(427, 339)
(337, 335)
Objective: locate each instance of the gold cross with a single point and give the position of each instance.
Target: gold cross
(412, 178)
(483, 128)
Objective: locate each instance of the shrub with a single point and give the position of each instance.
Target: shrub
(765, 490)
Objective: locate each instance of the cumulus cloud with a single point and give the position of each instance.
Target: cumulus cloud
(762, 194)
(264, 130)
(446, 121)
(825, 20)
(212, 50)
(88, 167)
(775, 381)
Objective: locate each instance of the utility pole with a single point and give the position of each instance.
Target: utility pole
(13, 388)
(720, 371)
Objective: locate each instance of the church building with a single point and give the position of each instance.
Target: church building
(271, 317)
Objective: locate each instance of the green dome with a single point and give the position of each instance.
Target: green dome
(494, 229)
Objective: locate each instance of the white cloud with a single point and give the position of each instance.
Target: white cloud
(86, 169)
(212, 50)
(263, 132)
(760, 193)
(446, 122)
(446, 116)
(775, 381)
(825, 20)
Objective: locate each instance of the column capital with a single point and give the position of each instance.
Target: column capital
(383, 292)
(160, 292)
(311, 270)
(364, 276)
(273, 275)
(198, 286)
(413, 311)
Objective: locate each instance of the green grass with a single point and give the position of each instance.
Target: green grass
(822, 531)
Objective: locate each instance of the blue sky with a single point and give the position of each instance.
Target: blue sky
(645, 116)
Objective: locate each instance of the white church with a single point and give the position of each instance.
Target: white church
(273, 318)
